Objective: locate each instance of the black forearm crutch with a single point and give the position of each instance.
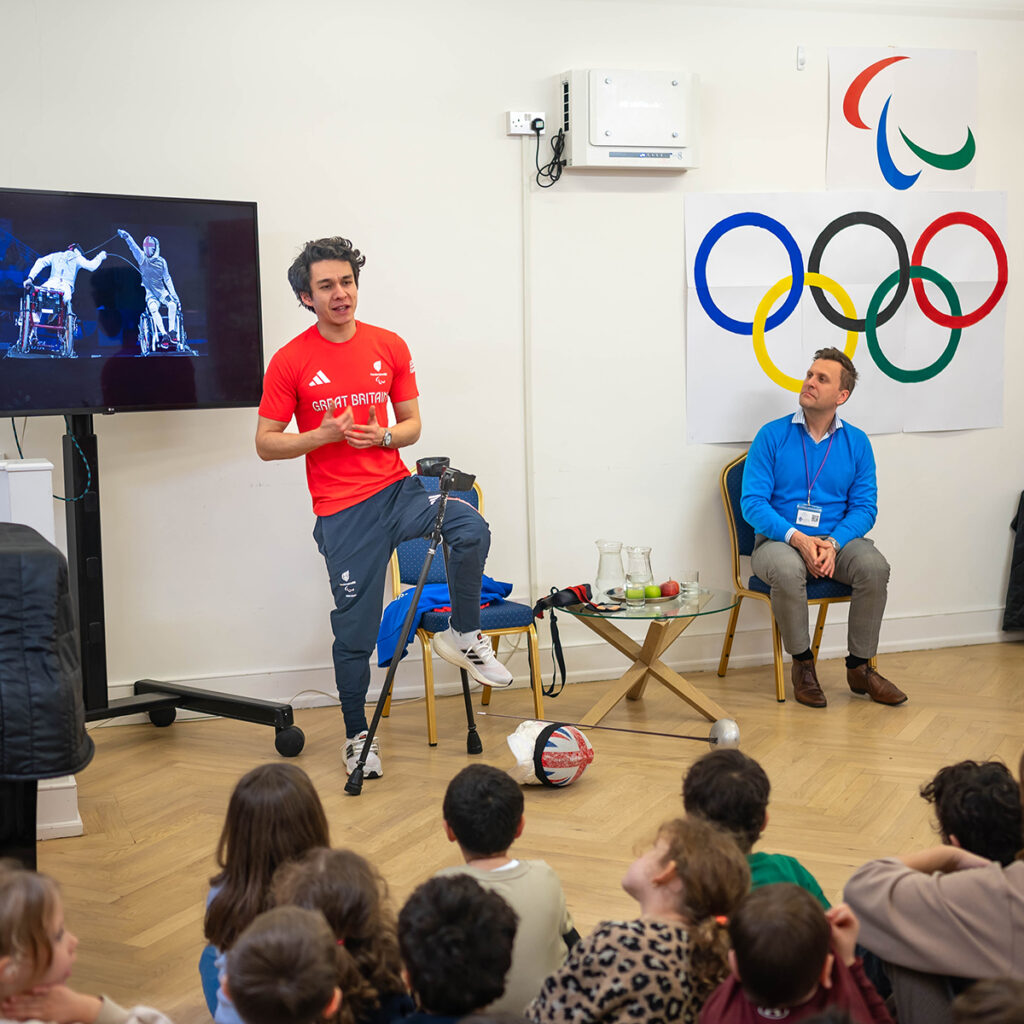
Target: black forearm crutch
(473, 744)
(450, 479)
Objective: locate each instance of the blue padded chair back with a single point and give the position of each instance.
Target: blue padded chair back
(411, 553)
(734, 489)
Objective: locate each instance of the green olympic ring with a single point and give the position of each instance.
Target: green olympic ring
(871, 323)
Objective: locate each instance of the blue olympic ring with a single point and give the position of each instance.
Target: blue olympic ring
(700, 271)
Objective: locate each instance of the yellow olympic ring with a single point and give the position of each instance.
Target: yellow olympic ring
(764, 307)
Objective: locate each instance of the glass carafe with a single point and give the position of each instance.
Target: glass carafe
(638, 574)
(611, 577)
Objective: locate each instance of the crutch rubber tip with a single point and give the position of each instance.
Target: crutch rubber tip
(354, 786)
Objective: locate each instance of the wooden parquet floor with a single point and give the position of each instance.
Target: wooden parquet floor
(844, 789)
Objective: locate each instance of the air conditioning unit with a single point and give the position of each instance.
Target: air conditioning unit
(630, 119)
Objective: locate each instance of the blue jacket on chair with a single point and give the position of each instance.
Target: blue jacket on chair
(433, 595)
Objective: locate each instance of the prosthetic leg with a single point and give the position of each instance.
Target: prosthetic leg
(450, 479)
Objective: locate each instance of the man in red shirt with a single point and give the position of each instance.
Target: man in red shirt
(336, 379)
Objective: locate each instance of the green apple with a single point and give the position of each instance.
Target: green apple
(652, 590)
(635, 593)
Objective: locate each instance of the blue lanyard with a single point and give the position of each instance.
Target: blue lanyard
(807, 468)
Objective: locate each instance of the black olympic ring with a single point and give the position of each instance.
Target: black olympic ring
(829, 232)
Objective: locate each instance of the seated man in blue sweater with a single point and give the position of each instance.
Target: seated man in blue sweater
(809, 492)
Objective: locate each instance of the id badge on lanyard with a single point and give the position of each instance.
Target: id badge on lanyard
(806, 513)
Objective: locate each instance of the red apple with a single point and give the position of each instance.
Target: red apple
(669, 588)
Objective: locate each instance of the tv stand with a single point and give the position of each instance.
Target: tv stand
(157, 699)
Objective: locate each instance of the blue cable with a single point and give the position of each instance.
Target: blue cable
(88, 468)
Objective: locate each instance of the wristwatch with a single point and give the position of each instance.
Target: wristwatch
(834, 543)
(385, 442)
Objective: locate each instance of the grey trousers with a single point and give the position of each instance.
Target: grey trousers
(859, 563)
(920, 998)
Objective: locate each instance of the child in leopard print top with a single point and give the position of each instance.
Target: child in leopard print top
(660, 967)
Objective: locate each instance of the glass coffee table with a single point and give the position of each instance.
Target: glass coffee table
(666, 621)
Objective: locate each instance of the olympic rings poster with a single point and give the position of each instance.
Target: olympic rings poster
(912, 286)
(902, 119)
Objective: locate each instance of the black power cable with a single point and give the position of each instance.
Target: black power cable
(552, 170)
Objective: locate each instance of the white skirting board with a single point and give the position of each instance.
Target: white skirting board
(588, 658)
(57, 809)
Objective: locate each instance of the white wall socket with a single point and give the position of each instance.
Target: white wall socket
(517, 122)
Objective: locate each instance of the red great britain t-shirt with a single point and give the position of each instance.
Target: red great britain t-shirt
(309, 373)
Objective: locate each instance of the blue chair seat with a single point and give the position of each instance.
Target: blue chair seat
(817, 590)
(503, 615)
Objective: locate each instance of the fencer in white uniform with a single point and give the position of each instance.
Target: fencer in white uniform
(64, 267)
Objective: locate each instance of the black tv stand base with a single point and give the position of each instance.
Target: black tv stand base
(161, 702)
(85, 562)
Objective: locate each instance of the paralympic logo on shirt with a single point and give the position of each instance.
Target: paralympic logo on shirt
(910, 272)
(886, 164)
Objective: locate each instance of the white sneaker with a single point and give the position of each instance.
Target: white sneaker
(477, 658)
(354, 747)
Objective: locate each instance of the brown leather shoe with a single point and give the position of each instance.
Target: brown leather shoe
(805, 684)
(865, 679)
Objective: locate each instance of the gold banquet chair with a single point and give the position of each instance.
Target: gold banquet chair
(506, 618)
(822, 592)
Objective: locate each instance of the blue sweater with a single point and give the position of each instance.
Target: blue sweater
(775, 481)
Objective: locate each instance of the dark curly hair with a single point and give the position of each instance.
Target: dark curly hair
(731, 790)
(456, 940)
(980, 803)
(353, 896)
(334, 248)
(483, 807)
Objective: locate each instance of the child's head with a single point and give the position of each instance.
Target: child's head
(456, 940)
(995, 1001)
(697, 871)
(731, 790)
(780, 945)
(483, 809)
(977, 807)
(35, 947)
(274, 814)
(281, 970)
(352, 896)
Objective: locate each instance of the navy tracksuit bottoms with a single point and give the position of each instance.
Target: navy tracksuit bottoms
(357, 543)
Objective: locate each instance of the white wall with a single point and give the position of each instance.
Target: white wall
(384, 122)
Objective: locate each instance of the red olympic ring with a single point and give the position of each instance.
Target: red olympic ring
(986, 229)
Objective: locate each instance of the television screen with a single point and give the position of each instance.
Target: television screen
(121, 303)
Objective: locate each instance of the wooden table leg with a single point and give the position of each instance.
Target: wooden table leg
(661, 634)
(647, 663)
(618, 690)
(682, 687)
